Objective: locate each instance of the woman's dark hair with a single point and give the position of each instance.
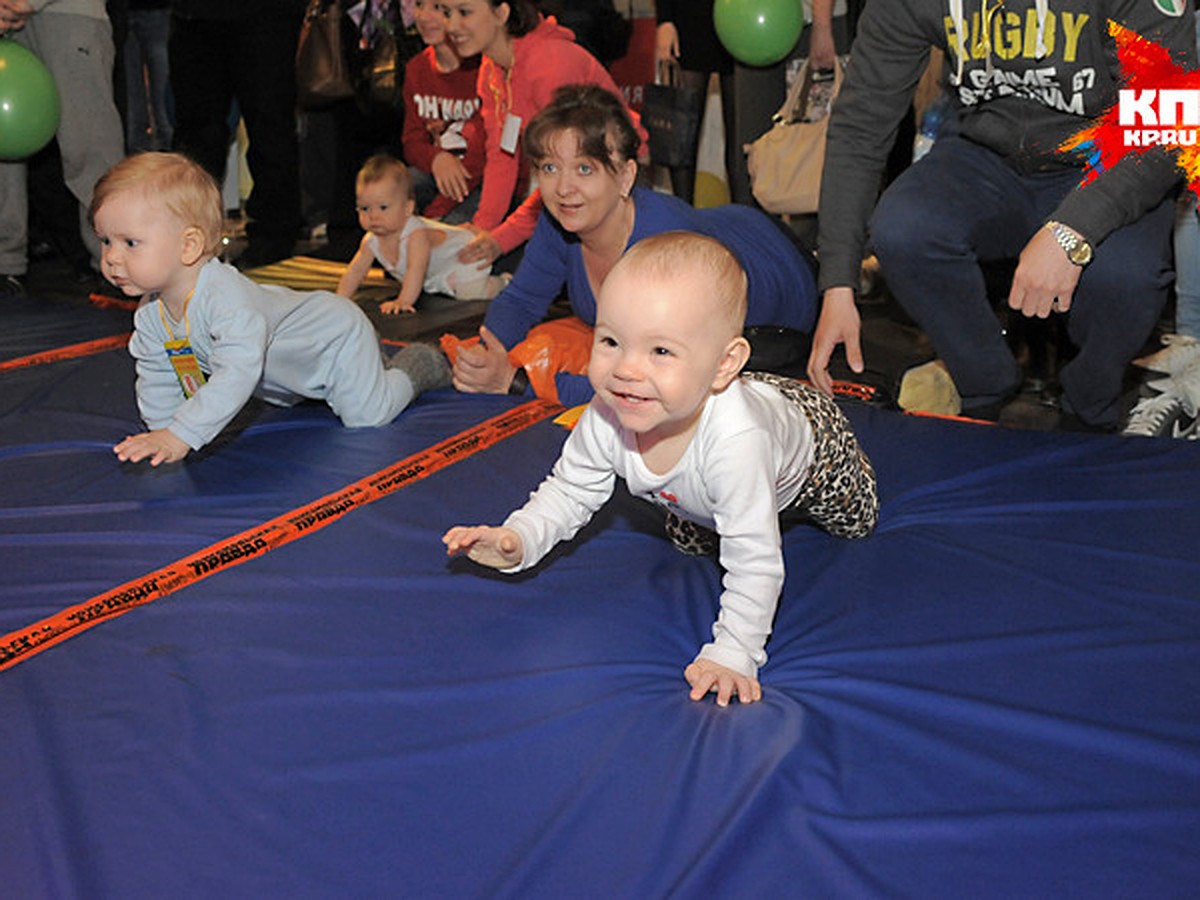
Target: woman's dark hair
(606, 132)
(523, 15)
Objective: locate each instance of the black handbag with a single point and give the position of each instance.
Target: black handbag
(322, 72)
(382, 50)
(671, 115)
(380, 73)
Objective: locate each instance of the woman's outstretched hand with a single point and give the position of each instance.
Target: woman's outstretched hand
(483, 368)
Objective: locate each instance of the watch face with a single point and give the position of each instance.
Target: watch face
(1077, 249)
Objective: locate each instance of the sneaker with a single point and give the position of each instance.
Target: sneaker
(1187, 429)
(1160, 385)
(11, 286)
(1178, 352)
(1165, 415)
(1187, 385)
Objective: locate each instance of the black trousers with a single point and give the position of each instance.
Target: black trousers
(251, 61)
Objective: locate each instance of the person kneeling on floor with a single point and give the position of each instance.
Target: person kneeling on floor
(998, 185)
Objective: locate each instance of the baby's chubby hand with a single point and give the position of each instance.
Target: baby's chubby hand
(499, 548)
(392, 307)
(706, 676)
(157, 446)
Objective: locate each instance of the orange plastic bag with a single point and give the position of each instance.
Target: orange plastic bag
(560, 345)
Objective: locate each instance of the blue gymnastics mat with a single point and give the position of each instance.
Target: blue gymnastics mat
(996, 695)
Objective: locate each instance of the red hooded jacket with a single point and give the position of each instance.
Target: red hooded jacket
(543, 60)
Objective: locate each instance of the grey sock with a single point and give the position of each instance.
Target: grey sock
(425, 366)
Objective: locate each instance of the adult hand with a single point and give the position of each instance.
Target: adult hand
(821, 52)
(708, 677)
(14, 14)
(157, 446)
(1045, 279)
(451, 176)
(666, 43)
(839, 324)
(483, 249)
(483, 368)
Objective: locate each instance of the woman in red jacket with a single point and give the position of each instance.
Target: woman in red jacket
(526, 57)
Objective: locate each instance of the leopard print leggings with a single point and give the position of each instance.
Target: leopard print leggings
(839, 494)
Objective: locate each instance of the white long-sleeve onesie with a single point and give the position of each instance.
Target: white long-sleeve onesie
(746, 462)
(280, 345)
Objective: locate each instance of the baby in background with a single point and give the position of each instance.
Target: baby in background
(730, 458)
(420, 253)
(206, 338)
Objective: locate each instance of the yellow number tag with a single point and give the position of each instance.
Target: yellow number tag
(187, 369)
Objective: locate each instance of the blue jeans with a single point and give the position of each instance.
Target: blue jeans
(1187, 259)
(963, 205)
(1187, 267)
(424, 191)
(150, 124)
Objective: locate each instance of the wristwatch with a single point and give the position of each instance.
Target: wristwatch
(1078, 250)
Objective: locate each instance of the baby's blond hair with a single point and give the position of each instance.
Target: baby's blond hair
(674, 253)
(181, 185)
(381, 166)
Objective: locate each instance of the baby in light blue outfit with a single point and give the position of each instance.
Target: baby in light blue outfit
(206, 338)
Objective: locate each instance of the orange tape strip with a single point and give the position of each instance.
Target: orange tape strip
(103, 301)
(931, 415)
(71, 351)
(74, 351)
(20, 645)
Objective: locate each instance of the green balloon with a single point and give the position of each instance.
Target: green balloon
(29, 105)
(758, 32)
